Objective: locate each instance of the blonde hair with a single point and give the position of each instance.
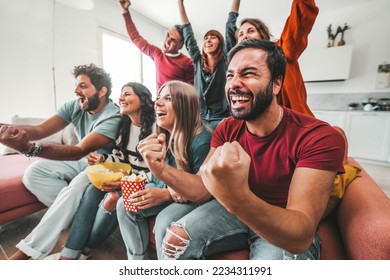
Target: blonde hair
(188, 122)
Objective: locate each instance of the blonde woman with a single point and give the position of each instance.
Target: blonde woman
(182, 143)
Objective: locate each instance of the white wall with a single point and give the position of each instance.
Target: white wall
(26, 56)
(37, 36)
(40, 39)
(370, 37)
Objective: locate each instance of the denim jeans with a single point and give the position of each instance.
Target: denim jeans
(213, 229)
(92, 224)
(166, 217)
(134, 227)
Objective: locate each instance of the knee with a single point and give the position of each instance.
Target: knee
(110, 201)
(30, 174)
(120, 208)
(175, 242)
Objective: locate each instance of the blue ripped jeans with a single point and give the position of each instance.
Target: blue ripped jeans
(92, 224)
(212, 229)
(134, 227)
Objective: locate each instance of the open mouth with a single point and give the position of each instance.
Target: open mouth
(239, 99)
(83, 101)
(160, 114)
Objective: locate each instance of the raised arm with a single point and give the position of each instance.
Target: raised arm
(188, 33)
(236, 6)
(231, 28)
(125, 4)
(136, 38)
(296, 30)
(183, 13)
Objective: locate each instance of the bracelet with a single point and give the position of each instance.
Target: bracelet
(34, 151)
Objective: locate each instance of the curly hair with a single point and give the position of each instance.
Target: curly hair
(148, 117)
(98, 76)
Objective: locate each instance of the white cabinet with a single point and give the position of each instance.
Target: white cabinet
(326, 64)
(334, 118)
(369, 135)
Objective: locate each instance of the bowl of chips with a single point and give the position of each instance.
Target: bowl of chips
(106, 172)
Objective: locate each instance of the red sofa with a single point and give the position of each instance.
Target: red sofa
(358, 229)
(15, 200)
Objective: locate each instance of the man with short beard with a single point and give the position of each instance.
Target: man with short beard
(270, 170)
(96, 119)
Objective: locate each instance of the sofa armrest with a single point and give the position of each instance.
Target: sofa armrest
(364, 219)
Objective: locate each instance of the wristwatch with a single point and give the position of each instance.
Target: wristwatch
(34, 151)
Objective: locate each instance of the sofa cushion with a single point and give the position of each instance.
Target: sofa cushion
(13, 193)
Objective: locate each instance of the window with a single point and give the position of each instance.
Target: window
(125, 63)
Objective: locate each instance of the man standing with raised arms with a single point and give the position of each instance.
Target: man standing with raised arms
(170, 63)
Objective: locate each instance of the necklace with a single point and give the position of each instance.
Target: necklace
(279, 118)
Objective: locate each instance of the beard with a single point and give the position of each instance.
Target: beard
(262, 101)
(93, 102)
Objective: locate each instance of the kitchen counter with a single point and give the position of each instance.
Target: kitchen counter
(368, 133)
(347, 110)
(340, 102)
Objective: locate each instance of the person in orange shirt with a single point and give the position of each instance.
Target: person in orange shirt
(293, 42)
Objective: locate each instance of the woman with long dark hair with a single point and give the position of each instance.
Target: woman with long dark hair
(182, 145)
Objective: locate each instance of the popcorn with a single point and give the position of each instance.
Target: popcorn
(129, 185)
(103, 170)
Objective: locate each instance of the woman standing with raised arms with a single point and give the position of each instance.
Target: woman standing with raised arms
(210, 70)
(293, 41)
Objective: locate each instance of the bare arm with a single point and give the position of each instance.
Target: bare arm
(92, 142)
(183, 13)
(19, 137)
(291, 228)
(44, 129)
(235, 6)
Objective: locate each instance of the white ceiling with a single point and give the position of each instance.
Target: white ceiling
(212, 14)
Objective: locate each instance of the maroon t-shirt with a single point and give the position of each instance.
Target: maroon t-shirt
(298, 141)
